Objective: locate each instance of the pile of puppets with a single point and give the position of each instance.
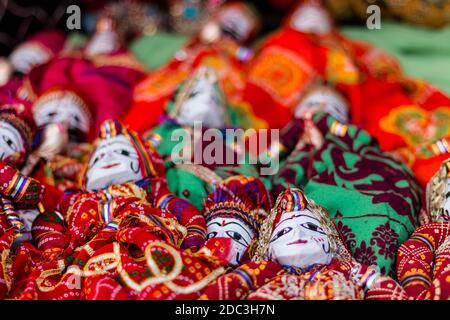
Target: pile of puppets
(93, 206)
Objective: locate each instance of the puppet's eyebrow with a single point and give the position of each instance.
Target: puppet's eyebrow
(298, 215)
(232, 222)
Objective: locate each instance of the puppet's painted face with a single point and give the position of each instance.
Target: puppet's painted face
(28, 55)
(311, 18)
(298, 240)
(326, 101)
(203, 104)
(12, 145)
(235, 23)
(234, 229)
(446, 209)
(114, 161)
(64, 109)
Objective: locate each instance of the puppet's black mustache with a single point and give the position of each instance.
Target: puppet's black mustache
(132, 167)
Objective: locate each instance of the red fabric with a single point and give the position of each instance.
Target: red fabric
(107, 90)
(29, 194)
(152, 94)
(422, 263)
(51, 280)
(232, 286)
(51, 39)
(407, 118)
(185, 282)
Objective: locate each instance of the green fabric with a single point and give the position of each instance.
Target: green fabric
(76, 40)
(165, 130)
(423, 53)
(372, 198)
(156, 50)
(187, 185)
(354, 211)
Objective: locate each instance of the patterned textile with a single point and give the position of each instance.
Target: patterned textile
(24, 191)
(423, 262)
(159, 272)
(409, 118)
(289, 62)
(16, 191)
(134, 262)
(159, 195)
(422, 267)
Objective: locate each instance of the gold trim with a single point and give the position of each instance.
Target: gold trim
(435, 192)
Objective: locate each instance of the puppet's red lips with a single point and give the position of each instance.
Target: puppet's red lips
(297, 242)
(109, 166)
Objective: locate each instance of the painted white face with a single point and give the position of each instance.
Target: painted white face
(298, 240)
(62, 109)
(324, 100)
(204, 105)
(234, 229)
(235, 23)
(114, 161)
(11, 141)
(311, 18)
(103, 43)
(26, 56)
(446, 212)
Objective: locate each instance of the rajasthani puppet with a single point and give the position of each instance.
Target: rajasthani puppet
(318, 97)
(373, 198)
(124, 178)
(300, 255)
(235, 209)
(120, 156)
